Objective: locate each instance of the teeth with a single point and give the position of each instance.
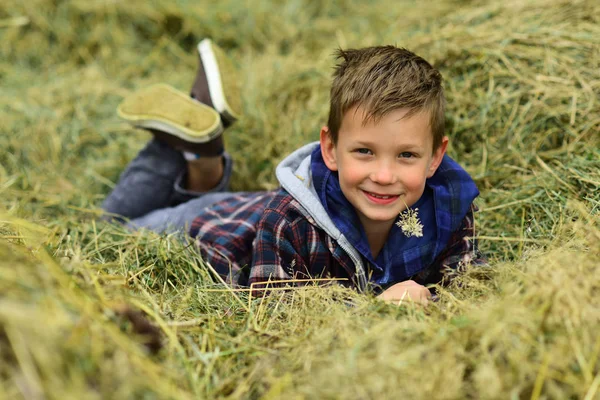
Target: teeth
(380, 197)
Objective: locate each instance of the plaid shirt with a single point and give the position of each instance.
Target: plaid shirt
(261, 236)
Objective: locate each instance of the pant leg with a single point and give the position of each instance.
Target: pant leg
(147, 182)
(154, 180)
(179, 218)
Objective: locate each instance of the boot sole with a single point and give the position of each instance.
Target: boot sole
(163, 108)
(210, 61)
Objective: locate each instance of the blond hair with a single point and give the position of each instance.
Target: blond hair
(382, 79)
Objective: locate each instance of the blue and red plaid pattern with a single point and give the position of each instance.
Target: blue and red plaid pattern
(225, 233)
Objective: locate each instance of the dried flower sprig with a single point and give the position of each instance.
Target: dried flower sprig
(409, 222)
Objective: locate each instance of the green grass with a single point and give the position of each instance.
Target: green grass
(522, 82)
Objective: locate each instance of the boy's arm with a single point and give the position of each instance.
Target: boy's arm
(277, 250)
(461, 250)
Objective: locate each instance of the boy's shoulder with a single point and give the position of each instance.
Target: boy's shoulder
(451, 182)
(284, 207)
(454, 191)
(452, 172)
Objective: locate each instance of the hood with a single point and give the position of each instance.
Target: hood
(294, 175)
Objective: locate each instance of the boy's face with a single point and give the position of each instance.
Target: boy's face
(382, 166)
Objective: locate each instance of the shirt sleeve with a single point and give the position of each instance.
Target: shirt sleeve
(277, 251)
(461, 251)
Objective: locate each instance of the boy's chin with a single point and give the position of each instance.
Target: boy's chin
(381, 218)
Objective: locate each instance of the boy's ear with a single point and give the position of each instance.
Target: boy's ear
(328, 149)
(438, 155)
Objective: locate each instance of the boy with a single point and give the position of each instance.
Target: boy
(380, 162)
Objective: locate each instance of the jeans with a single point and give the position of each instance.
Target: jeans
(150, 192)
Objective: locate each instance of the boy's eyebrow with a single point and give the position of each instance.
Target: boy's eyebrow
(363, 143)
(408, 146)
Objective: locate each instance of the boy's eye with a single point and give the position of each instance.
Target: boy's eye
(406, 154)
(363, 151)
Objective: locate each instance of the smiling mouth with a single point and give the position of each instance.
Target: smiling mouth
(381, 198)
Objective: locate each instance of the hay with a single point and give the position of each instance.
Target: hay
(522, 81)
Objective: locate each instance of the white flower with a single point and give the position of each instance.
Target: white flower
(409, 223)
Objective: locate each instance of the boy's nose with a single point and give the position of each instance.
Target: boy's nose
(383, 174)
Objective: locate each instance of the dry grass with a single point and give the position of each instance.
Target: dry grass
(523, 84)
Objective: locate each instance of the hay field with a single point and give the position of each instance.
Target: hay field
(523, 84)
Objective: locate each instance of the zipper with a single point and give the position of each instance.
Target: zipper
(360, 273)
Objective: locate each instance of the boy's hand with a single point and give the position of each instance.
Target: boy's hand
(406, 291)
